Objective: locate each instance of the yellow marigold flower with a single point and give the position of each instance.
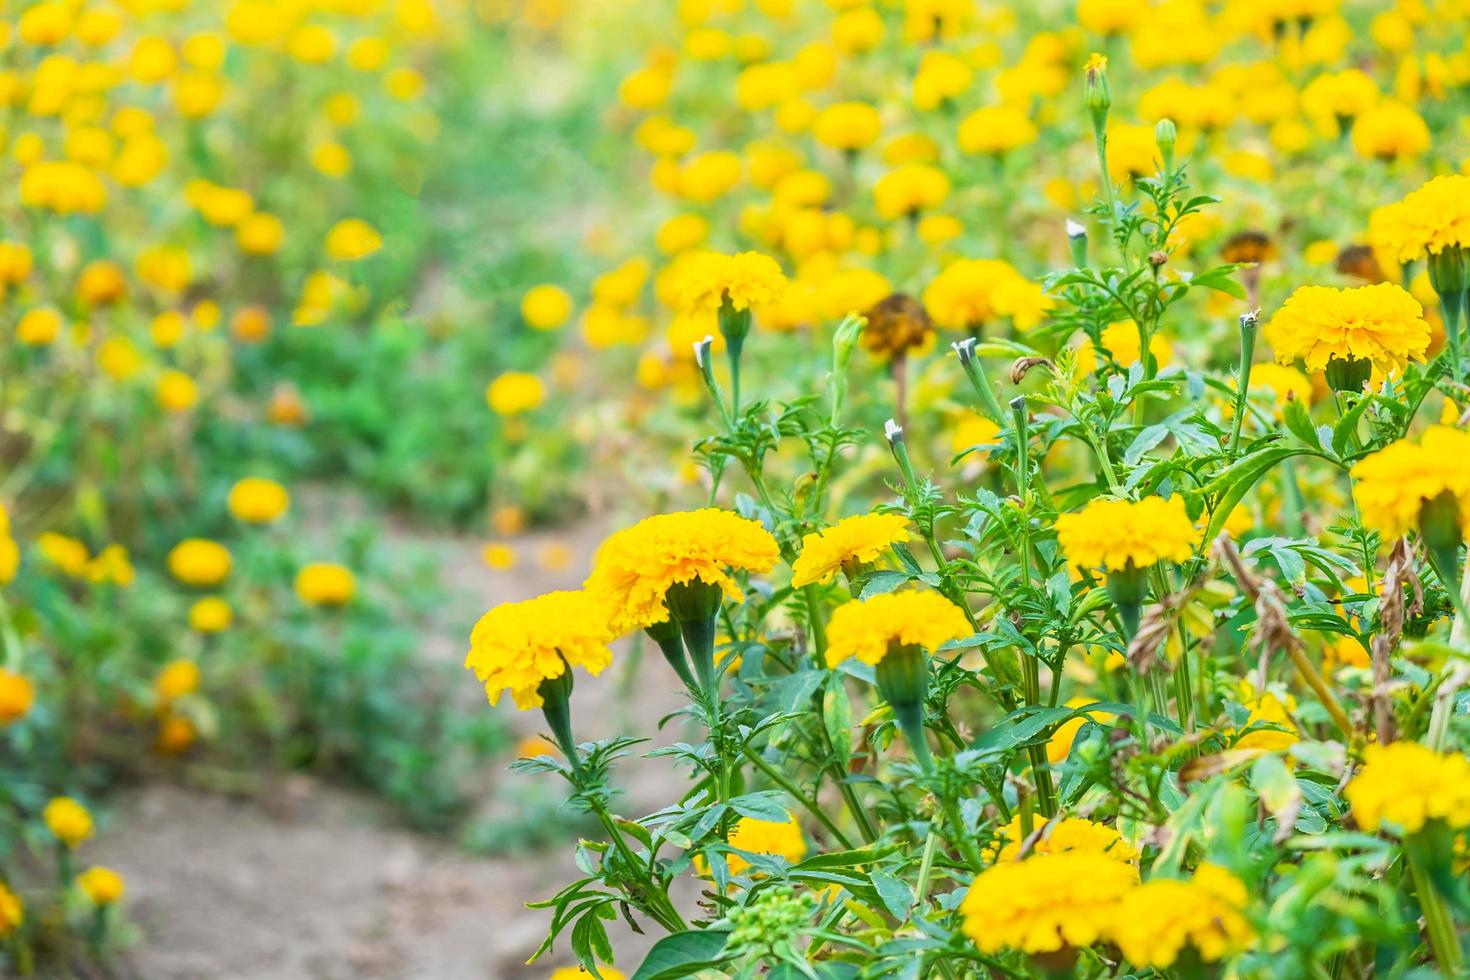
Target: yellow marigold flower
(101, 283)
(256, 500)
(1059, 835)
(546, 307)
(1393, 485)
(351, 239)
(1406, 785)
(68, 821)
(1111, 534)
(515, 393)
(12, 912)
(1161, 917)
(177, 679)
(746, 280)
(867, 629)
(781, 838)
(325, 584)
(176, 391)
(199, 562)
(501, 557)
(251, 324)
(1046, 902)
(996, 129)
(517, 645)
(970, 292)
(69, 555)
(260, 233)
(102, 886)
(636, 567)
(119, 358)
(910, 188)
(1427, 221)
(851, 542)
(38, 327)
(111, 565)
(580, 973)
(17, 694)
(211, 615)
(1380, 323)
(1390, 131)
(847, 126)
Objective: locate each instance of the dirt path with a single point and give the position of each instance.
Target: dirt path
(314, 882)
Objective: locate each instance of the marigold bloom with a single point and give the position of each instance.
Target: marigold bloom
(325, 584)
(1393, 485)
(177, 679)
(1159, 918)
(636, 567)
(17, 694)
(1112, 533)
(1046, 902)
(1380, 323)
(1390, 131)
(256, 500)
(517, 645)
(176, 391)
(781, 838)
(1426, 222)
(1059, 835)
(858, 540)
(996, 129)
(847, 126)
(866, 629)
(352, 239)
(546, 307)
(211, 615)
(910, 188)
(68, 821)
(102, 886)
(707, 280)
(970, 292)
(199, 562)
(1406, 785)
(12, 912)
(66, 553)
(515, 393)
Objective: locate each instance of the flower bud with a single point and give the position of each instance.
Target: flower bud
(1098, 96)
(903, 681)
(1166, 135)
(1348, 374)
(1077, 242)
(1128, 587)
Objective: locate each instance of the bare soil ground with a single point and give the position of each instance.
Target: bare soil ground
(314, 882)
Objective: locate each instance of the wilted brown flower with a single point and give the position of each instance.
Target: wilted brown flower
(896, 325)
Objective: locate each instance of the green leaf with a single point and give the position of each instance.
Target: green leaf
(682, 954)
(880, 582)
(1236, 482)
(765, 805)
(897, 898)
(1299, 422)
(837, 717)
(1346, 429)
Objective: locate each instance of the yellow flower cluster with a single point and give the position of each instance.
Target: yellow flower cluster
(1392, 485)
(636, 567)
(1111, 534)
(1380, 323)
(1159, 918)
(12, 912)
(858, 540)
(102, 886)
(325, 584)
(256, 500)
(865, 629)
(1405, 785)
(68, 821)
(517, 645)
(17, 694)
(748, 280)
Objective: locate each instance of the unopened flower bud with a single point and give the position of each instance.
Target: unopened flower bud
(1098, 95)
(1166, 135)
(1077, 242)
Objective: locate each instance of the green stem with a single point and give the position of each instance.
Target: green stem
(785, 782)
(1443, 939)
